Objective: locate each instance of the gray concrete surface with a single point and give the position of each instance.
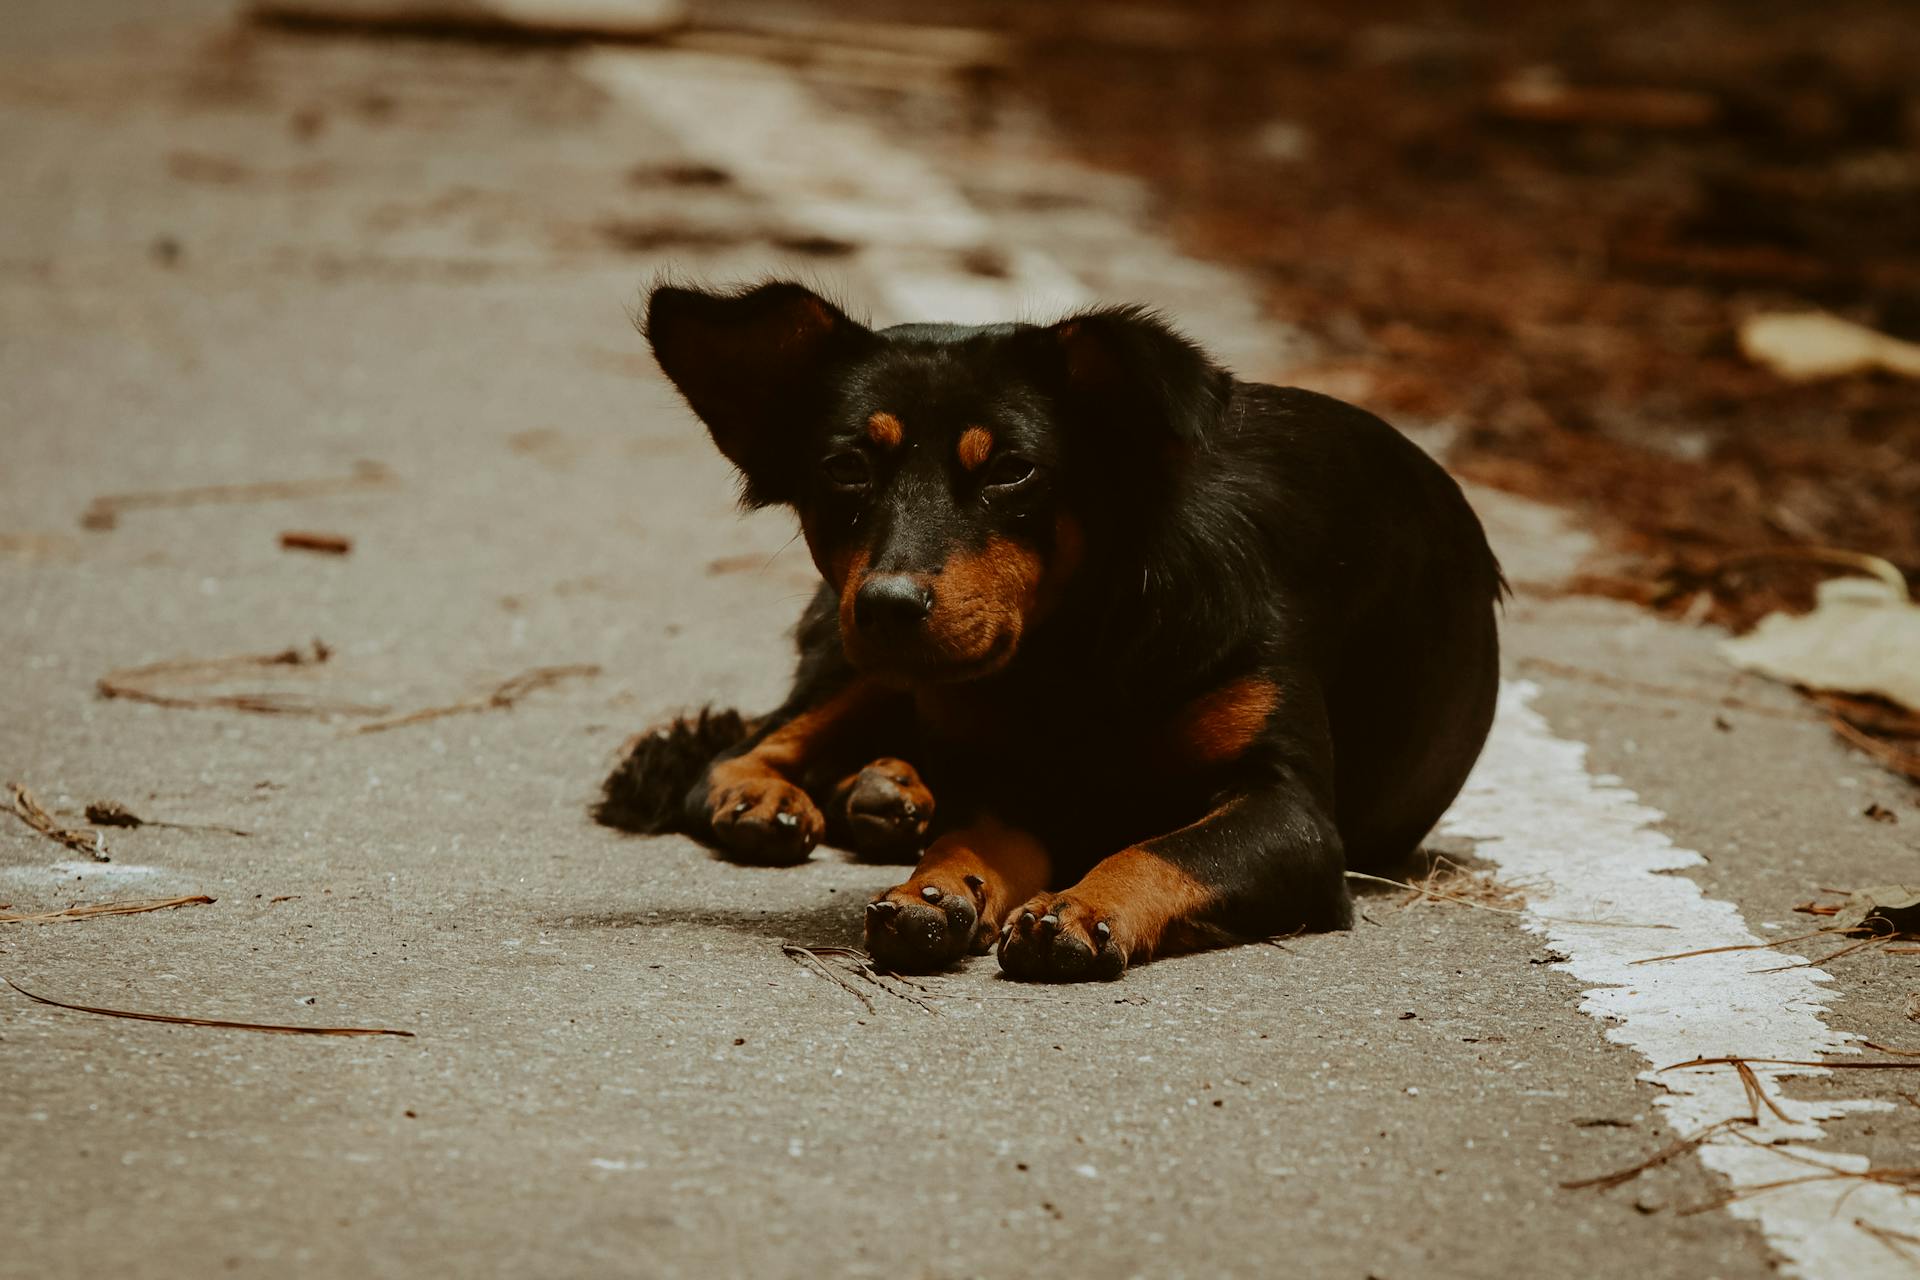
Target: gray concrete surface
(267, 258)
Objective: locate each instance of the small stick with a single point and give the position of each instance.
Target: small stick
(1607, 1181)
(806, 957)
(109, 909)
(273, 1028)
(1903, 762)
(1738, 946)
(30, 811)
(332, 544)
(111, 813)
(1836, 557)
(1757, 1096)
(105, 511)
(865, 970)
(1795, 1062)
(136, 684)
(507, 694)
(1833, 955)
(1898, 1241)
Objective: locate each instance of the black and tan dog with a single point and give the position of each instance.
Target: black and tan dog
(1173, 651)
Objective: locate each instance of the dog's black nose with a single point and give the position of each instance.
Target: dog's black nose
(891, 604)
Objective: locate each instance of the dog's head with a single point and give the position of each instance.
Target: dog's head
(951, 480)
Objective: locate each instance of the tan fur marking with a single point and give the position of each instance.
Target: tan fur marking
(976, 446)
(983, 600)
(1146, 899)
(784, 754)
(885, 430)
(1010, 865)
(1219, 726)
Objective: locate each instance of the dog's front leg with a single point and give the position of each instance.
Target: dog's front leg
(1268, 860)
(958, 894)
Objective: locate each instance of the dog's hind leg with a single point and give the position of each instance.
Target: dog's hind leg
(953, 903)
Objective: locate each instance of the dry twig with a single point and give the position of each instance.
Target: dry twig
(1843, 1065)
(506, 695)
(1906, 1179)
(1906, 763)
(273, 1028)
(111, 813)
(139, 684)
(332, 544)
(1502, 911)
(29, 810)
(109, 909)
(105, 511)
(1607, 1181)
(863, 969)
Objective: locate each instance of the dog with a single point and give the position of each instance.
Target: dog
(1144, 657)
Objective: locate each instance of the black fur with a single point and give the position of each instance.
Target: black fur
(1205, 531)
(646, 792)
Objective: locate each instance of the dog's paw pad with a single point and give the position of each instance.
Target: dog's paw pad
(918, 928)
(885, 809)
(1056, 939)
(767, 822)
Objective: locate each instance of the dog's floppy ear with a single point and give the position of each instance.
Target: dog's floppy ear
(755, 366)
(1127, 368)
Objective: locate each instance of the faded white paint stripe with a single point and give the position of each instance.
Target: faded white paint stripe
(1584, 849)
(832, 174)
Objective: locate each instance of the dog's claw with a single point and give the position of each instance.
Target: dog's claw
(882, 910)
(930, 893)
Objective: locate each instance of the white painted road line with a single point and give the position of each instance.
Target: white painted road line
(1584, 849)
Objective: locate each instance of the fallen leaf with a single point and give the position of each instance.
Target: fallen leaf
(1863, 636)
(1805, 346)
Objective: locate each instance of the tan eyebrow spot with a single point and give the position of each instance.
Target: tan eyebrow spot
(976, 443)
(885, 430)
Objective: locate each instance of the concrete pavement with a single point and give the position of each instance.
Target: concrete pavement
(266, 258)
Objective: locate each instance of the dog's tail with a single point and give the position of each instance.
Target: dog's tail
(647, 790)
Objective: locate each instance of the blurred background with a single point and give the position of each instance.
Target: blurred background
(1552, 228)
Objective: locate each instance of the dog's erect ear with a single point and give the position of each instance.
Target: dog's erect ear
(1126, 367)
(755, 365)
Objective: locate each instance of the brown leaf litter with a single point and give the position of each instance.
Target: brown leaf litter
(30, 811)
(273, 1028)
(92, 910)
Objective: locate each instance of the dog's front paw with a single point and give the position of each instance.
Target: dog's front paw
(924, 925)
(1053, 938)
(882, 811)
(768, 822)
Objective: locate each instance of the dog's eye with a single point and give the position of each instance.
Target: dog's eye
(1009, 472)
(848, 470)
